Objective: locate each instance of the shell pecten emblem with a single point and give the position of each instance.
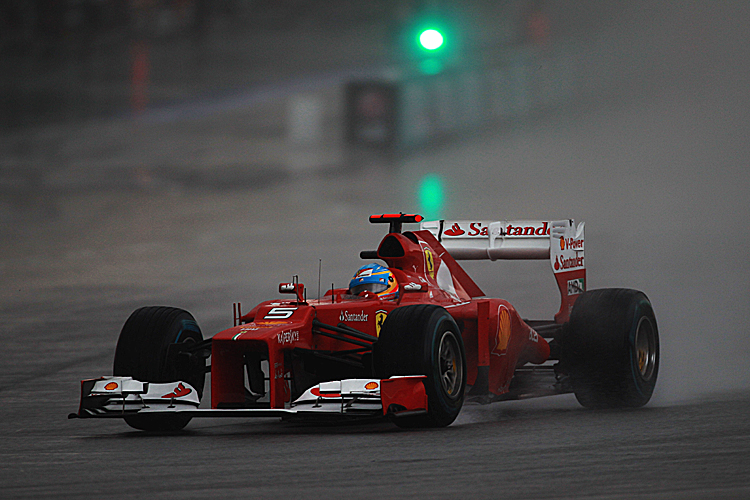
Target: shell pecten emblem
(503, 330)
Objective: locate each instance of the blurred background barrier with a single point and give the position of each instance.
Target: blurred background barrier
(524, 83)
(125, 92)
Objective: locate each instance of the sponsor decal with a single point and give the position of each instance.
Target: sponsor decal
(571, 244)
(278, 370)
(364, 273)
(371, 386)
(576, 287)
(533, 336)
(178, 392)
(412, 287)
(316, 392)
(254, 326)
(455, 230)
(542, 230)
(379, 321)
(280, 313)
(347, 316)
(111, 386)
(288, 337)
(503, 330)
(474, 229)
(477, 229)
(429, 262)
(564, 264)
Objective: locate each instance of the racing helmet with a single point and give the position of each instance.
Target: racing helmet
(376, 279)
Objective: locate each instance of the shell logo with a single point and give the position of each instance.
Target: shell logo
(562, 243)
(503, 328)
(111, 386)
(371, 386)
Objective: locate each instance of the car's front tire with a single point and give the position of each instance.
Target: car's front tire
(141, 353)
(424, 340)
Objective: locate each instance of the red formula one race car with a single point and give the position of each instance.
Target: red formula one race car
(411, 341)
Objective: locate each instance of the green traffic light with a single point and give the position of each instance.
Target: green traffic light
(431, 39)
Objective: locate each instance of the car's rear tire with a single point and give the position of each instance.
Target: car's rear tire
(424, 340)
(611, 348)
(141, 353)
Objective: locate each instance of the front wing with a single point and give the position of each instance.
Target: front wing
(117, 397)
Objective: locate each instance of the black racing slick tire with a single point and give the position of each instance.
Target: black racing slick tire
(424, 340)
(611, 349)
(142, 353)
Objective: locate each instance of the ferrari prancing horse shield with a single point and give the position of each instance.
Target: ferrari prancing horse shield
(379, 320)
(429, 261)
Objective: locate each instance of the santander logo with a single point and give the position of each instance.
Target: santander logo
(347, 316)
(455, 230)
(178, 392)
(474, 229)
(565, 264)
(539, 229)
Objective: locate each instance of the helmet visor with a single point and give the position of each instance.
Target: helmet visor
(370, 287)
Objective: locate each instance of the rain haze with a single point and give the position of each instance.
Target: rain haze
(196, 154)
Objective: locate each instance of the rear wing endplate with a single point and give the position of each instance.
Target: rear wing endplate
(562, 242)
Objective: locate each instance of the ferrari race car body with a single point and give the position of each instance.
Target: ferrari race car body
(415, 359)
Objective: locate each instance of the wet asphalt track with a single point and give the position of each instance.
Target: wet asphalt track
(551, 449)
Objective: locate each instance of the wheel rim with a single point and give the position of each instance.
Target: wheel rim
(645, 348)
(451, 365)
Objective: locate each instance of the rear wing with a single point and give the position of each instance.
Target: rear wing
(562, 242)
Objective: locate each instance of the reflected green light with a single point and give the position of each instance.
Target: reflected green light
(431, 196)
(430, 67)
